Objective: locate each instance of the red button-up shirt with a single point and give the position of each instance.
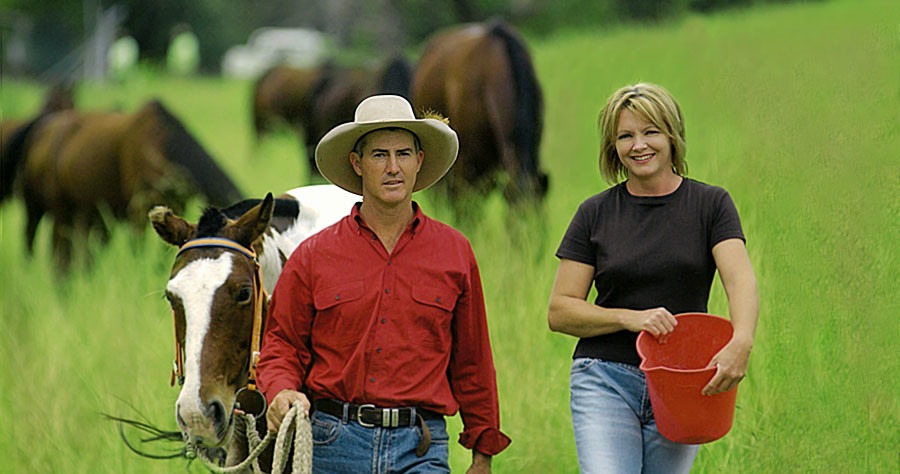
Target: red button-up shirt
(351, 322)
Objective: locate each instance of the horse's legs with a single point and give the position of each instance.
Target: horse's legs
(62, 243)
(313, 177)
(33, 215)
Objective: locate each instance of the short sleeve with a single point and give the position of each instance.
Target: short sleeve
(726, 224)
(576, 243)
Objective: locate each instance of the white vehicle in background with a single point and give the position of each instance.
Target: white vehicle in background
(268, 47)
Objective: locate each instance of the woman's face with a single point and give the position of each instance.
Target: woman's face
(644, 150)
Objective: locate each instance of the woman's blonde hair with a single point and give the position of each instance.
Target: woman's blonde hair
(656, 105)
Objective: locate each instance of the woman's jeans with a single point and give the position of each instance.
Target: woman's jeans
(348, 447)
(613, 422)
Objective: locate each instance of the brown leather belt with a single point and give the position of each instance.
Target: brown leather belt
(371, 416)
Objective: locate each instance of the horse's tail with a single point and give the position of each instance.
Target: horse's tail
(529, 110)
(12, 156)
(396, 77)
(182, 148)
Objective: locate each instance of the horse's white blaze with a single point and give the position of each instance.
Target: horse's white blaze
(195, 285)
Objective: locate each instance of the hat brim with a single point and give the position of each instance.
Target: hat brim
(437, 139)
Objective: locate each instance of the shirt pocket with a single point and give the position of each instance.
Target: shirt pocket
(337, 312)
(433, 315)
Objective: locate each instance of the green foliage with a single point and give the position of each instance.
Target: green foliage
(792, 108)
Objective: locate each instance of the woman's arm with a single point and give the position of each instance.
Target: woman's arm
(736, 273)
(569, 313)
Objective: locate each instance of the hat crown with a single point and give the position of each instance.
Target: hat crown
(383, 108)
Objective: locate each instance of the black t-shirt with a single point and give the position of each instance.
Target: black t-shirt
(649, 252)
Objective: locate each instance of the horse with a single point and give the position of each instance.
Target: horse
(481, 77)
(79, 166)
(227, 264)
(313, 101)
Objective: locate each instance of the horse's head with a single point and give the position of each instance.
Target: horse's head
(164, 162)
(213, 293)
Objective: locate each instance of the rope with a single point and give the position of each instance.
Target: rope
(301, 436)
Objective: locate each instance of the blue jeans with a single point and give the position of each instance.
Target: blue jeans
(613, 422)
(346, 447)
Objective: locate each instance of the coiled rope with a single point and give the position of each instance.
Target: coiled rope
(301, 435)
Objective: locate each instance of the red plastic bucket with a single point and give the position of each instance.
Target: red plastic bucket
(677, 370)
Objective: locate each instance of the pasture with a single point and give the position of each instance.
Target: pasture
(793, 109)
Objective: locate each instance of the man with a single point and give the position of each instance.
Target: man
(379, 319)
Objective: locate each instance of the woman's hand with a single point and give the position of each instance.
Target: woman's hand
(731, 363)
(659, 322)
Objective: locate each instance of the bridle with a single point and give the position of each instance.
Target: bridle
(261, 296)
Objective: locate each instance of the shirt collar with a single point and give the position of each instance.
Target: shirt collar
(418, 218)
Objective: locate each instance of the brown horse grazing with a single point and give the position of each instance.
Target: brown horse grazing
(481, 77)
(78, 167)
(313, 101)
(217, 288)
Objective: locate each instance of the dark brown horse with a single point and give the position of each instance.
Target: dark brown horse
(218, 301)
(312, 101)
(482, 78)
(79, 167)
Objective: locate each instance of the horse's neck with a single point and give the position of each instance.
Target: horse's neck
(277, 247)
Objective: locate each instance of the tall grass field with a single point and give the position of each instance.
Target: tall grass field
(794, 109)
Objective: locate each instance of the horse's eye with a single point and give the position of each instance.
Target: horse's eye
(243, 296)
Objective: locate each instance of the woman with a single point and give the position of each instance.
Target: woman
(651, 245)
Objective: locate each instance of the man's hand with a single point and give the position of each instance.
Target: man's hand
(481, 464)
(282, 404)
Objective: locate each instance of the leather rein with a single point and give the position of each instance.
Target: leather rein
(259, 293)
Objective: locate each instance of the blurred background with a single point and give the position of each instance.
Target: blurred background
(56, 40)
(792, 106)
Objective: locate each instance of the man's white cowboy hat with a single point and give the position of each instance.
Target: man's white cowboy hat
(437, 139)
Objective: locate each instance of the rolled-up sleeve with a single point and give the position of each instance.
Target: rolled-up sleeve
(471, 371)
(285, 355)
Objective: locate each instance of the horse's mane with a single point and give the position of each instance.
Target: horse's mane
(181, 148)
(214, 219)
(211, 222)
(529, 119)
(12, 156)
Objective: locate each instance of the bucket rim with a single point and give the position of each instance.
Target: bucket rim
(645, 334)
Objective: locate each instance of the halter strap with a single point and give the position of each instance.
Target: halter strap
(217, 242)
(261, 296)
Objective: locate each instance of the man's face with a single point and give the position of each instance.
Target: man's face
(388, 166)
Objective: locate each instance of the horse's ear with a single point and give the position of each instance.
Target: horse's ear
(254, 222)
(170, 227)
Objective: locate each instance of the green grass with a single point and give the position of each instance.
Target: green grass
(793, 109)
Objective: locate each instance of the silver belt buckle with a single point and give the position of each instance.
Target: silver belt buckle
(359, 419)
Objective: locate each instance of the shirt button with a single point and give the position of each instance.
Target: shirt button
(378, 350)
(382, 320)
(387, 291)
(438, 299)
(337, 297)
(372, 379)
